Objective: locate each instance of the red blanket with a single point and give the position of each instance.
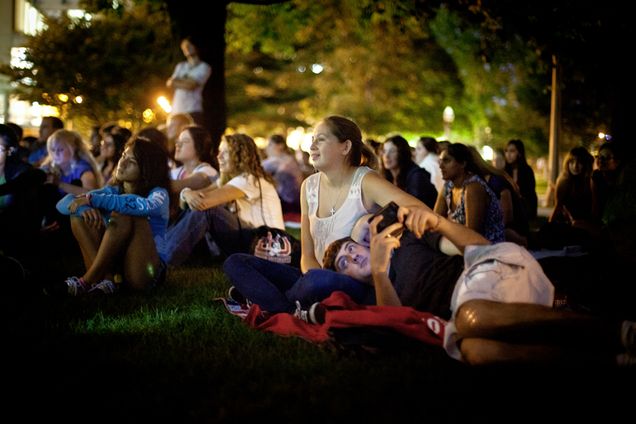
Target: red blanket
(342, 312)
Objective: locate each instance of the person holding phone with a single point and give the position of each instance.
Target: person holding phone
(344, 189)
(496, 297)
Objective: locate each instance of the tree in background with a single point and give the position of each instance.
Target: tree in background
(111, 61)
(391, 65)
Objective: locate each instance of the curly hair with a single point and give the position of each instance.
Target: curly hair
(244, 158)
(153, 165)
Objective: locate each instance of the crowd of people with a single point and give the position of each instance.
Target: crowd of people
(462, 247)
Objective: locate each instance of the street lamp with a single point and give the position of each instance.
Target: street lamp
(448, 116)
(164, 104)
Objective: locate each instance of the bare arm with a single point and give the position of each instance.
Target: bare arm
(308, 256)
(378, 191)
(205, 199)
(441, 207)
(381, 248)
(89, 182)
(475, 202)
(458, 234)
(183, 83)
(196, 181)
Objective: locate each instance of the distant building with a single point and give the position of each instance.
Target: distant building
(18, 19)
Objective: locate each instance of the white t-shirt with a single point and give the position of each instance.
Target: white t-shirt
(187, 101)
(431, 164)
(249, 207)
(203, 167)
(328, 229)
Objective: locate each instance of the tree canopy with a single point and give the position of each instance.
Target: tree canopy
(391, 65)
(115, 62)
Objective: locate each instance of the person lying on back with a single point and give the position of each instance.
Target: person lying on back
(500, 306)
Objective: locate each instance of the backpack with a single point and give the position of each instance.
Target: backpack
(275, 245)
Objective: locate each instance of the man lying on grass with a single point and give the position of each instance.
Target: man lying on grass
(498, 299)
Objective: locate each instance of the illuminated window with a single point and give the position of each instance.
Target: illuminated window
(28, 19)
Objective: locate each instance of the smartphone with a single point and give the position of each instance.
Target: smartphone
(389, 216)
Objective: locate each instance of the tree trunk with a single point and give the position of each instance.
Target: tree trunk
(207, 30)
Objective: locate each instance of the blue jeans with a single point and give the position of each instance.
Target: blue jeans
(275, 287)
(223, 226)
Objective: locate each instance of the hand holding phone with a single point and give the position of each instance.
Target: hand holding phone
(389, 216)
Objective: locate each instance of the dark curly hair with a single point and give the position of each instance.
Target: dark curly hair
(244, 158)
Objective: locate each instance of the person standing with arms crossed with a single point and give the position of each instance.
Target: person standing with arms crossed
(187, 80)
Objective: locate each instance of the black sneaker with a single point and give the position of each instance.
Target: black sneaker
(236, 296)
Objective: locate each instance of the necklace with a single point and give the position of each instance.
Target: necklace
(332, 211)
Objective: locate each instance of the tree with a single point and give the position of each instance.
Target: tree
(376, 62)
(115, 62)
(208, 31)
(589, 42)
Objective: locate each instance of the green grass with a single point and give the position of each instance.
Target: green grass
(176, 354)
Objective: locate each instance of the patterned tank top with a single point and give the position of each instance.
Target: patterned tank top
(493, 228)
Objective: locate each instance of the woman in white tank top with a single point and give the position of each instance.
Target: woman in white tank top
(331, 201)
(343, 190)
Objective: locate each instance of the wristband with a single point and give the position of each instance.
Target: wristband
(182, 194)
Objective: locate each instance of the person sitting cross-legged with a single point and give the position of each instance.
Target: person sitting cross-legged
(119, 226)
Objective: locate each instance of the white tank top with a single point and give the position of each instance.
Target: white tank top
(339, 225)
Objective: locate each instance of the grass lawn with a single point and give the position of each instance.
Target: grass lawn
(177, 355)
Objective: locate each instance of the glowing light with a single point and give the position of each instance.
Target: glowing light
(487, 153)
(448, 115)
(164, 103)
(148, 116)
(78, 99)
(261, 142)
(601, 135)
(317, 68)
(18, 58)
(299, 139)
(62, 97)
(78, 14)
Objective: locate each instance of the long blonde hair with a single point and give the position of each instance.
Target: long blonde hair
(81, 151)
